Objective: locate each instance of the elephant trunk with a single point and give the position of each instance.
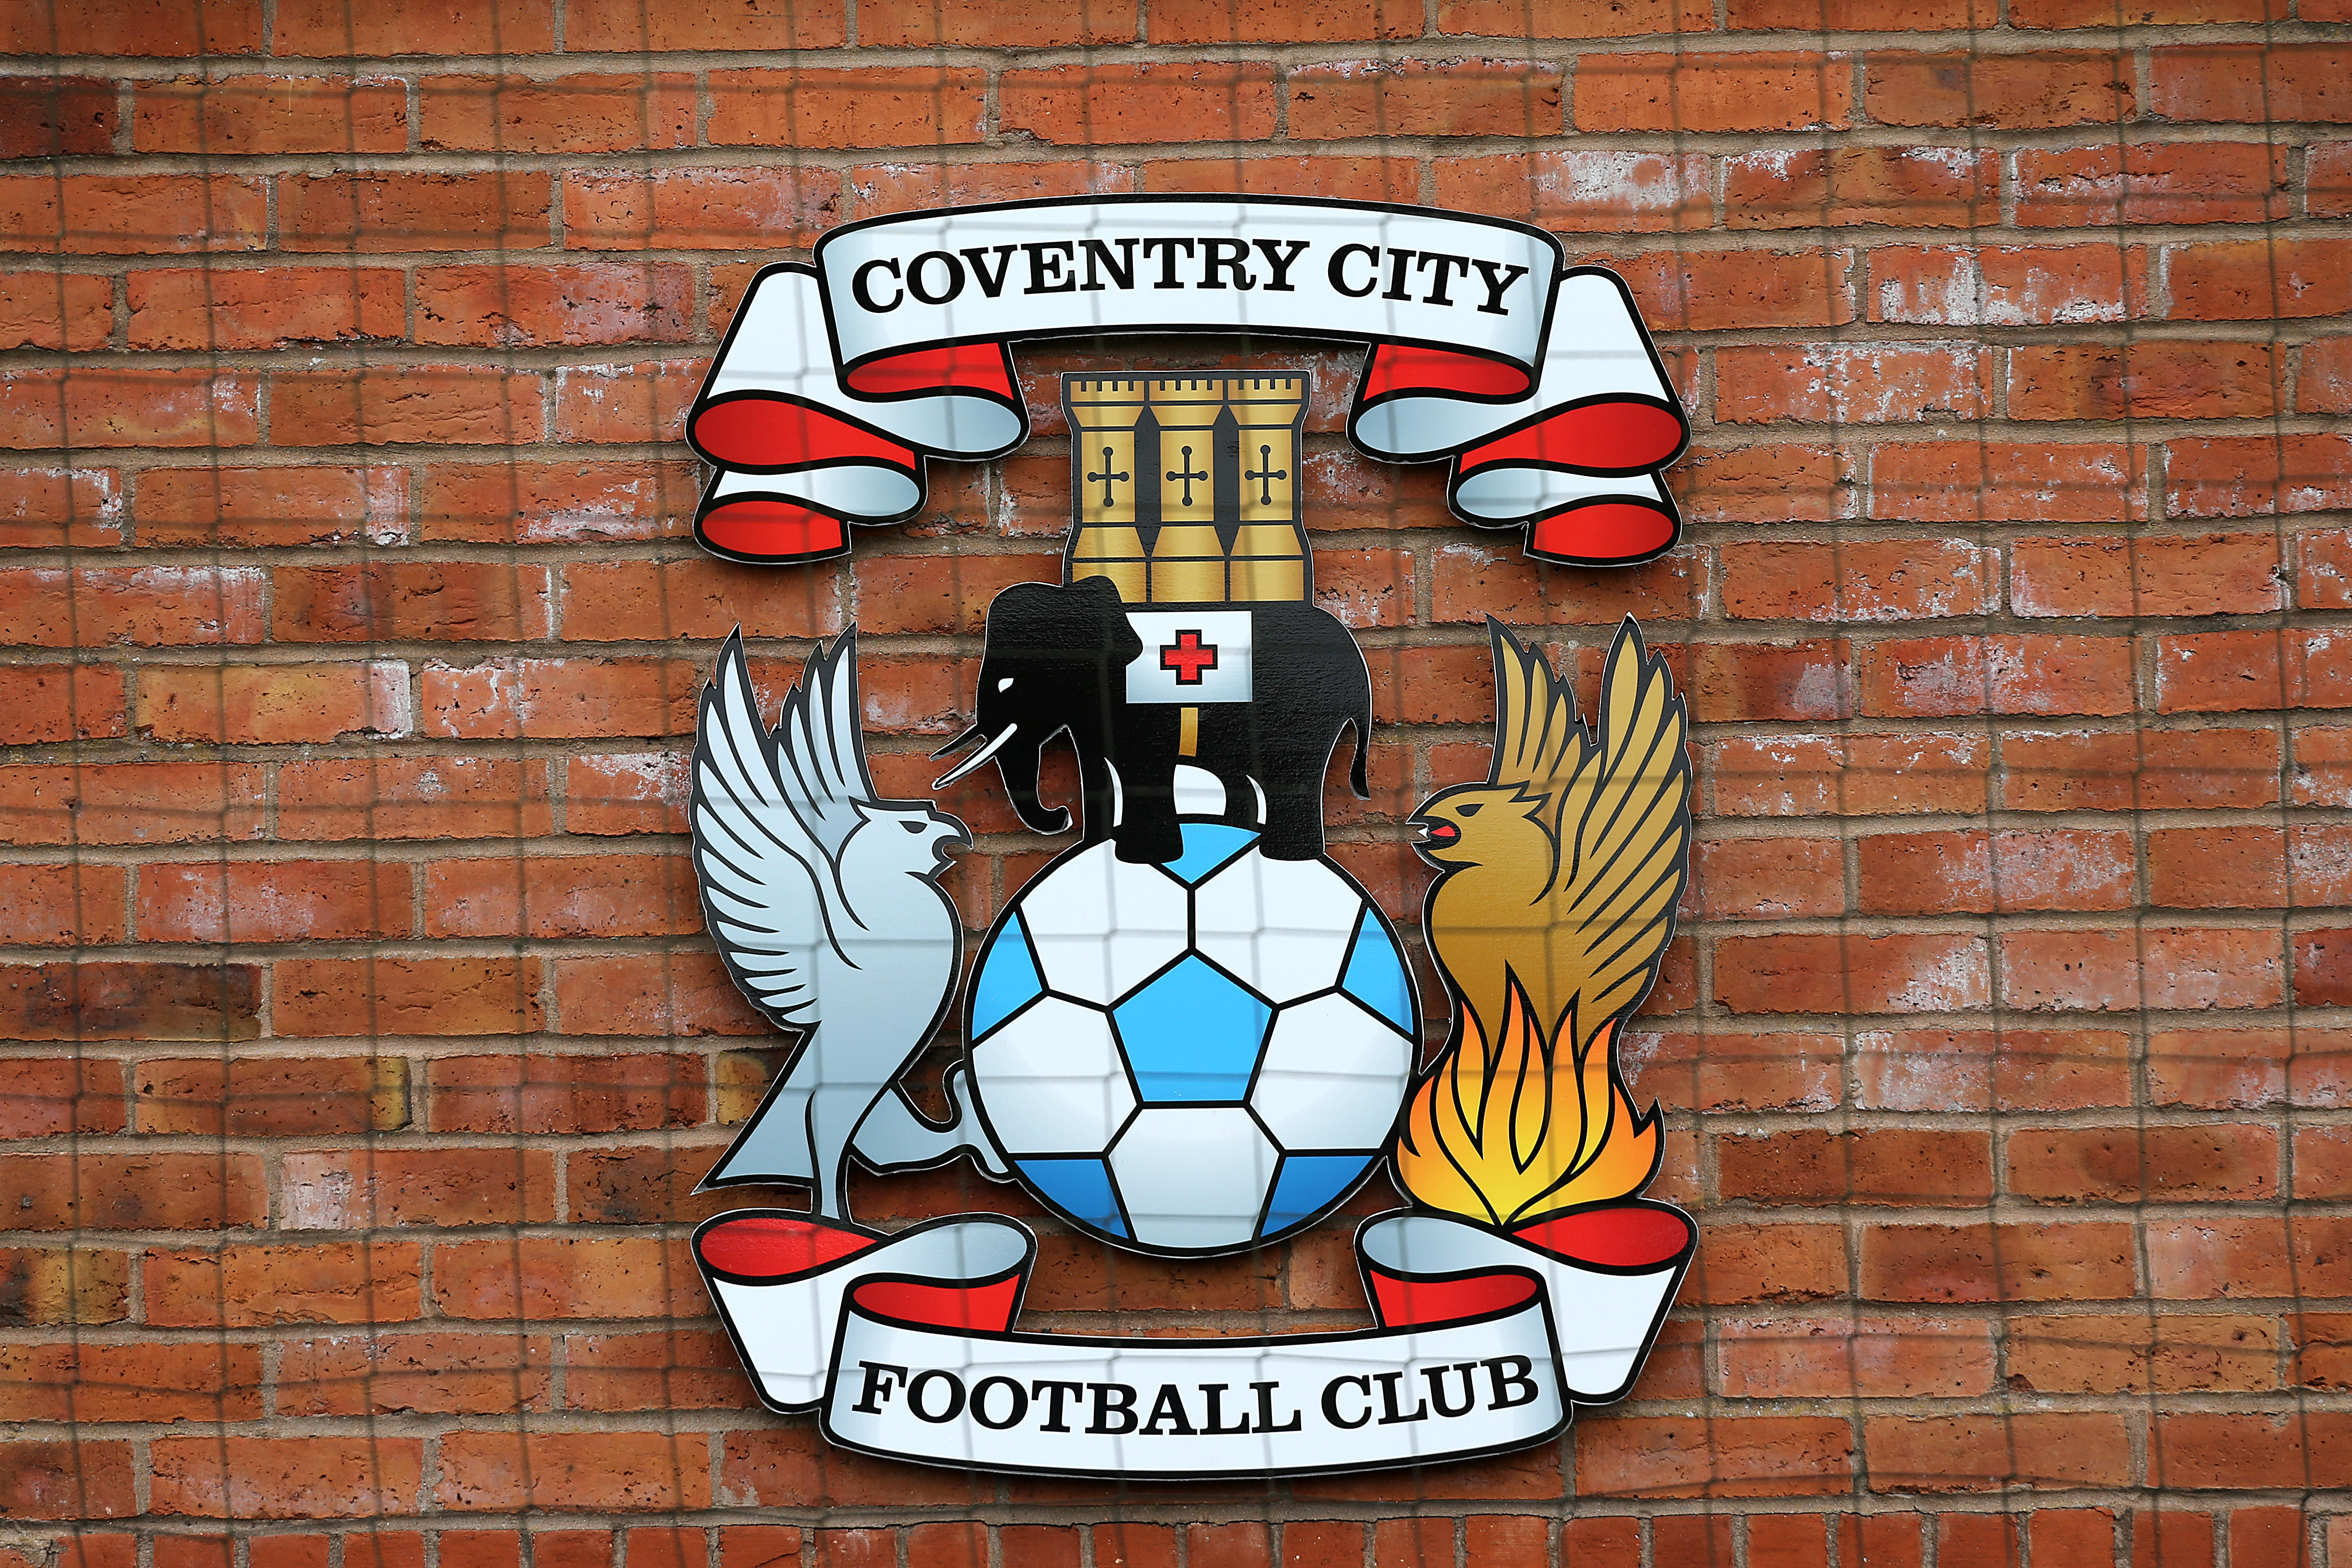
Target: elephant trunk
(1019, 765)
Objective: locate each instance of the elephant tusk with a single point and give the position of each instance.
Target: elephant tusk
(960, 742)
(975, 759)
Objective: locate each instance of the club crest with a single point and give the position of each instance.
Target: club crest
(1193, 1032)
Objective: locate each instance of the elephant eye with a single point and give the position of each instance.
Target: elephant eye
(1006, 682)
(1470, 807)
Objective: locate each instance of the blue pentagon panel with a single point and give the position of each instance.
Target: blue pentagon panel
(1193, 1034)
(1207, 846)
(1081, 1188)
(1008, 980)
(1376, 975)
(1308, 1184)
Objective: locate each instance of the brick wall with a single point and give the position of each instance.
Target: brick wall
(362, 1044)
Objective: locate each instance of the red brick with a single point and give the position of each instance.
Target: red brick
(130, 408)
(526, 306)
(388, 210)
(631, 601)
(412, 798)
(130, 803)
(405, 995)
(42, 508)
(131, 1192)
(1220, 22)
(182, 1381)
(1895, 579)
(132, 27)
(565, 895)
(1922, 873)
(559, 698)
(698, 209)
(2145, 380)
(286, 1478)
(2208, 574)
(1573, 18)
(327, 30)
(665, 1370)
(1633, 192)
(1856, 15)
(80, 1480)
(56, 116)
(928, 24)
(685, 994)
(462, 404)
(882, 188)
(2083, 1261)
(251, 1286)
(2070, 1534)
(545, 503)
(2203, 1448)
(1877, 1166)
(2164, 183)
(2254, 83)
(63, 1285)
(1946, 677)
(1741, 291)
(49, 1097)
(1873, 383)
(769, 1545)
(2238, 476)
(566, 1277)
(1843, 1358)
(1077, 105)
(273, 901)
(1907, 187)
(625, 27)
(1764, 681)
(2256, 281)
(367, 1189)
(1742, 1456)
(602, 1094)
(270, 705)
(2218, 868)
(2150, 1164)
(1951, 481)
(1418, 98)
(56, 311)
(272, 1096)
(1714, 92)
(2142, 1353)
(223, 308)
(2324, 385)
(42, 703)
(156, 606)
(922, 108)
(364, 1375)
(2123, 971)
(612, 794)
(2323, 767)
(2047, 1450)
(2008, 285)
(2269, 1537)
(2000, 91)
(513, 114)
(1765, 878)
(450, 600)
(264, 114)
(112, 214)
(107, 1000)
(1854, 775)
(1955, 1070)
(1830, 974)
(309, 505)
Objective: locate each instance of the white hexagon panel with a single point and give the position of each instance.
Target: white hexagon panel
(1101, 926)
(1195, 1178)
(1333, 1076)
(1052, 1081)
(1283, 926)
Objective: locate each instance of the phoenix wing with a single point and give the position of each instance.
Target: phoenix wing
(770, 810)
(1625, 836)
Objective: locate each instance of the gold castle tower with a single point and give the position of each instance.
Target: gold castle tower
(1187, 486)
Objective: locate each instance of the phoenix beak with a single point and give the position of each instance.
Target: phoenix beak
(975, 759)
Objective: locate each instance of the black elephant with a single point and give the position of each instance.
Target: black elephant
(1057, 659)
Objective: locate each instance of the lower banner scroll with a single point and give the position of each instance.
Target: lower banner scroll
(1483, 1342)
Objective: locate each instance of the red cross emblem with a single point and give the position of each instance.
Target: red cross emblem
(1188, 656)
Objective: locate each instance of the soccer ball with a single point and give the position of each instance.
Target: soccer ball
(1192, 1058)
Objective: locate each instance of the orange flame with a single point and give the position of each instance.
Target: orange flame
(1515, 1132)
